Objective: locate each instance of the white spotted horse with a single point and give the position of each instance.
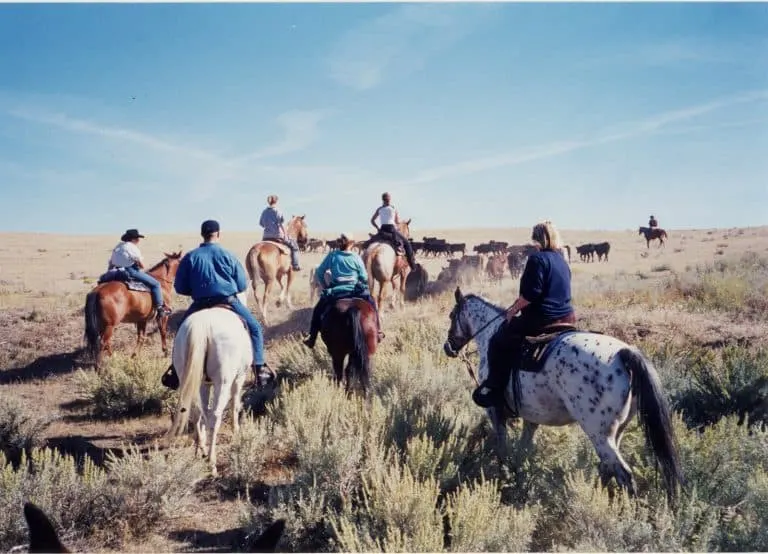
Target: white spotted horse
(574, 376)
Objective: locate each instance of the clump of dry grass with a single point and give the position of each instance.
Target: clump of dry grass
(123, 502)
(126, 387)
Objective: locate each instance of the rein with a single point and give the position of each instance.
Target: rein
(464, 356)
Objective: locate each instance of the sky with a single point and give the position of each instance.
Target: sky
(158, 116)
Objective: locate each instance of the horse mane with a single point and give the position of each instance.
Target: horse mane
(495, 307)
(171, 256)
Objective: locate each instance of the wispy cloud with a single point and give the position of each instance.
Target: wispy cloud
(652, 125)
(401, 41)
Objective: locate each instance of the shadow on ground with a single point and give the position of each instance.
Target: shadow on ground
(42, 367)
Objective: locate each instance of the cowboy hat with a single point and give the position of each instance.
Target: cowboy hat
(131, 234)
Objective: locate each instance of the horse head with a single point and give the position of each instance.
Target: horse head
(459, 333)
(404, 228)
(297, 229)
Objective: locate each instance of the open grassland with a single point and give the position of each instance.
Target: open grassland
(413, 469)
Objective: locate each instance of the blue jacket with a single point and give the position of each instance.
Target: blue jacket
(546, 284)
(209, 271)
(347, 272)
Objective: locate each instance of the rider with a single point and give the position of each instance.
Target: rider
(127, 256)
(272, 221)
(545, 298)
(341, 275)
(212, 275)
(389, 219)
(653, 223)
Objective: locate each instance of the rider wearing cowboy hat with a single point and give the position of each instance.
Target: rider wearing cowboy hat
(127, 257)
(341, 275)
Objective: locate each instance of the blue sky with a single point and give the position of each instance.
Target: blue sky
(472, 115)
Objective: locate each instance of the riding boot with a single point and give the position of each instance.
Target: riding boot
(314, 326)
(490, 393)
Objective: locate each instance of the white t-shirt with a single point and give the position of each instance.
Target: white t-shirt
(125, 254)
(387, 215)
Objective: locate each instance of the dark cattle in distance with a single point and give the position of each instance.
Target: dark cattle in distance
(602, 249)
(586, 252)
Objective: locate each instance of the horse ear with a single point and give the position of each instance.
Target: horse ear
(408, 222)
(302, 217)
(458, 295)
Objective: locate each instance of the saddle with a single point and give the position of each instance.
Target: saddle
(119, 274)
(284, 248)
(536, 349)
(388, 238)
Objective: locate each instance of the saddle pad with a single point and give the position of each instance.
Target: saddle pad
(138, 286)
(120, 275)
(280, 245)
(534, 355)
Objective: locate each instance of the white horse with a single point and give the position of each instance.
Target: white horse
(215, 344)
(592, 379)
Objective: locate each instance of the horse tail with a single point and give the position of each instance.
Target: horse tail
(360, 357)
(93, 340)
(191, 376)
(654, 416)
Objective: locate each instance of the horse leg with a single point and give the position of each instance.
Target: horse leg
(338, 367)
(526, 438)
(221, 399)
(106, 338)
(141, 330)
(237, 401)
(281, 296)
(201, 436)
(289, 280)
(611, 462)
(265, 297)
(162, 327)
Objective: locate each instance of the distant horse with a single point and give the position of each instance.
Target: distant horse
(593, 379)
(44, 538)
(384, 266)
(212, 349)
(115, 302)
(272, 261)
(349, 330)
(652, 233)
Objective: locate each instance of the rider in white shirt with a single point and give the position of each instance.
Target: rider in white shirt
(127, 257)
(388, 221)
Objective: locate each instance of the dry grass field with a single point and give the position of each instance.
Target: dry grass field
(389, 475)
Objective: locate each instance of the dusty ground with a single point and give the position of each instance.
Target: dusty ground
(44, 279)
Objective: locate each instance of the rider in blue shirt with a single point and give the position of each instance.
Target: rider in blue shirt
(545, 298)
(341, 274)
(212, 275)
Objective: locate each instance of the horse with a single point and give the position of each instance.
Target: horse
(349, 330)
(44, 538)
(272, 261)
(114, 302)
(383, 265)
(212, 349)
(583, 377)
(652, 233)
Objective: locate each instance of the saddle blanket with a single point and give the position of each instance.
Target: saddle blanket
(536, 350)
(119, 274)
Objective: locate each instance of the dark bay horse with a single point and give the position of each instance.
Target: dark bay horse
(112, 303)
(652, 233)
(349, 329)
(270, 261)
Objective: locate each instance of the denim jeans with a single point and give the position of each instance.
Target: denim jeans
(151, 282)
(392, 230)
(254, 327)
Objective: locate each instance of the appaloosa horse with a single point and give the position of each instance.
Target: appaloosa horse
(272, 261)
(652, 233)
(349, 329)
(384, 265)
(589, 378)
(115, 302)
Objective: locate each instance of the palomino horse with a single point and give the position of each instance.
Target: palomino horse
(212, 349)
(44, 538)
(349, 329)
(652, 233)
(592, 379)
(113, 302)
(384, 265)
(272, 260)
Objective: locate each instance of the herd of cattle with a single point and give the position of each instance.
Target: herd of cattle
(491, 259)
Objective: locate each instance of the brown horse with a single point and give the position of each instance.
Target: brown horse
(652, 234)
(384, 265)
(272, 260)
(349, 329)
(112, 303)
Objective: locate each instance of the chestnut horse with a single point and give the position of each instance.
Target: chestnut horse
(384, 265)
(109, 304)
(272, 260)
(652, 234)
(349, 329)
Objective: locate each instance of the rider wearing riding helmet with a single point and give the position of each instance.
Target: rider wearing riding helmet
(545, 298)
(341, 274)
(127, 257)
